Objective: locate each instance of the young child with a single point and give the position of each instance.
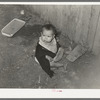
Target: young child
(48, 51)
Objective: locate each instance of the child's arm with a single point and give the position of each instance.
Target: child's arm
(49, 58)
(59, 54)
(57, 57)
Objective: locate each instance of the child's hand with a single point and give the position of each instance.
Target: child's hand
(49, 58)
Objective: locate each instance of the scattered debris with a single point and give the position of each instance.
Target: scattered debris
(22, 12)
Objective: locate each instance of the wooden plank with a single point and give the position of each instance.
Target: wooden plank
(96, 46)
(85, 25)
(93, 25)
(60, 17)
(79, 24)
(65, 15)
(82, 25)
(72, 21)
(76, 53)
(54, 16)
(45, 12)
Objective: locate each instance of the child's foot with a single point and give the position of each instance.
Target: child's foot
(51, 74)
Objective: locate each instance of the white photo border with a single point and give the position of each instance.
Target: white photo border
(50, 93)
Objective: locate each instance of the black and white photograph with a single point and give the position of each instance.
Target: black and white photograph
(49, 46)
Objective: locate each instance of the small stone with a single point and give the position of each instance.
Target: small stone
(18, 67)
(76, 78)
(27, 55)
(25, 50)
(22, 12)
(72, 74)
(66, 81)
(34, 50)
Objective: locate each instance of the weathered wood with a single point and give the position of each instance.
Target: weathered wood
(79, 25)
(76, 53)
(60, 23)
(93, 25)
(72, 21)
(85, 25)
(53, 15)
(96, 46)
(65, 15)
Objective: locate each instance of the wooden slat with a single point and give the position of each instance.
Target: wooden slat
(85, 25)
(76, 53)
(96, 46)
(93, 25)
(79, 25)
(65, 15)
(60, 17)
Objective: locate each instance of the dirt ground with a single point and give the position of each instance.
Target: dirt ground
(18, 68)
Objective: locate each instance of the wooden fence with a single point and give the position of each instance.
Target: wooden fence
(80, 22)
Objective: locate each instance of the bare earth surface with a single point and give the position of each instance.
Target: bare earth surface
(18, 68)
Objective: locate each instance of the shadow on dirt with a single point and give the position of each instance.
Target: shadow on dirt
(28, 33)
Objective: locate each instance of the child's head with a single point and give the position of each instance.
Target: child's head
(48, 33)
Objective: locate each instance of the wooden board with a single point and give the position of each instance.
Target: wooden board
(96, 46)
(76, 53)
(85, 25)
(93, 25)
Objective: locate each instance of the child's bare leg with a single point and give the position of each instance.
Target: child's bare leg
(53, 63)
(59, 55)
(56, 64)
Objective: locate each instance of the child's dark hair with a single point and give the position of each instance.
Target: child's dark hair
(49, 27)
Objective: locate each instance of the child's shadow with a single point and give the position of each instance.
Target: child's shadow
(29, 33)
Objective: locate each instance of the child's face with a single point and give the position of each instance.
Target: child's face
(47, 36)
